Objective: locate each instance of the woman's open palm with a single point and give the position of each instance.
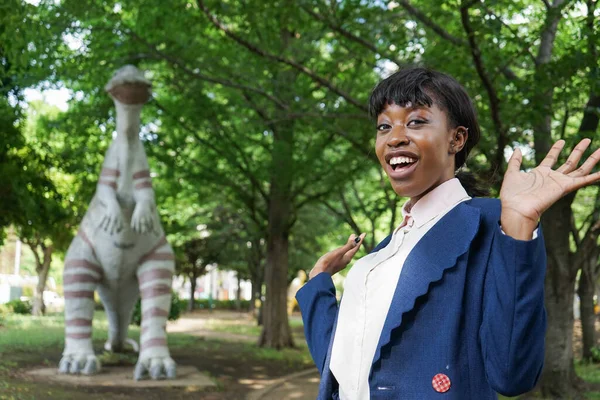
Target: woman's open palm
(531, 193)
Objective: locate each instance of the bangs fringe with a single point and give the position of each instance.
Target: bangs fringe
(410, 86)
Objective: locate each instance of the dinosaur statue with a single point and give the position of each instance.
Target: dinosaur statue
(120, 250)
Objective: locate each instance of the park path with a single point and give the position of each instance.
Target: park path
(298, 386)
(199, 324)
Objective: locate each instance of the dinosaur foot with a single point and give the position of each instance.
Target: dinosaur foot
(85, 364)
(155, 368)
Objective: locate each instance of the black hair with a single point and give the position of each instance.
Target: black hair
(424, 87)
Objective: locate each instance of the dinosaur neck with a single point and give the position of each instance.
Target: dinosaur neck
(128, 122)
(128, 141)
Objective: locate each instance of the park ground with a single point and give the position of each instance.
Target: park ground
(221, 344)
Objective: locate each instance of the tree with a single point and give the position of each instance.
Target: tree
(265, 110)
(199, 254)
(49, 222)
(585, 257)
(30, 199)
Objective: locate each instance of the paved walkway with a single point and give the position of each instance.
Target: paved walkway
(298, 386)
(198, 324)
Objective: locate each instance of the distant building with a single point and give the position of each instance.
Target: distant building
(215, 284)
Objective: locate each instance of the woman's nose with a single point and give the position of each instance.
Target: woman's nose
(398, 137)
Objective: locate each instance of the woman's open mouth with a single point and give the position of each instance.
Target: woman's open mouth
(401, 166)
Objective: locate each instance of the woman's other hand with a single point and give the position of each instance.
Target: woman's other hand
(336, 260)
(526, 195)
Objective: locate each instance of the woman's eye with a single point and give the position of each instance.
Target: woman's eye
(416, 122)
(383, 127)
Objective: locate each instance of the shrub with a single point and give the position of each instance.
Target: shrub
(4, 311)
(27, 291)
(595, 354)
(204, 304)
(20, 306)
(174, 312)
(98, 306)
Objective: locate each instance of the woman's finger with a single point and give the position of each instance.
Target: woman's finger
(340, 251)
(582, 181)
(587, 166)
(350, 253)
(574, 157)
(514, 163)
(553, 154)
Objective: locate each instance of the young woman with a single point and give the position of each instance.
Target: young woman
(451, 305)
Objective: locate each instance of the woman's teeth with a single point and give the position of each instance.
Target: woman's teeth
(401, 161)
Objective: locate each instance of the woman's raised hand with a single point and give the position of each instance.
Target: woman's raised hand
(526, 195)
(336, 260)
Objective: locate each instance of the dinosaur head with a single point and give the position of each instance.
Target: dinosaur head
(129, 86)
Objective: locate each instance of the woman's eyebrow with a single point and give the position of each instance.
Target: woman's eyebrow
(420, 108)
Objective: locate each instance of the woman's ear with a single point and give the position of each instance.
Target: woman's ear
(459, 139)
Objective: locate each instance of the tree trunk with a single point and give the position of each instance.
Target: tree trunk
(276, 331)
(39, 308)
(586, 291)
(238, 294)
(252, 295)
(257, 283)
(586, 257)
(192, 303)
(590, 270)
(42, 269)
(558, 379)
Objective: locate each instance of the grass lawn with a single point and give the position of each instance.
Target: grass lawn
(237, 368)
(242, 327)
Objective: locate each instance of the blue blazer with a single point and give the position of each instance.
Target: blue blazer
(469, 304)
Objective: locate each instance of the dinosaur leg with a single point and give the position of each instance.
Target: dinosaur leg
(154, 276)
(119, 299)
(82, 275)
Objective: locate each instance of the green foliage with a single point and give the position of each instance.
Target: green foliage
(98, 306)
(596, 354)
(177, 307)
(205, 304)
(19, 306)
(4, 312)
(5, 309)
(28, 192)
(109, 358)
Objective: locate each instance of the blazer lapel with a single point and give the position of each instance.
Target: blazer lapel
(436, 252)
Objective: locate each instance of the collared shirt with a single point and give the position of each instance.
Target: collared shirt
(369, 288)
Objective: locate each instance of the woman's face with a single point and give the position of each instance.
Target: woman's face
(416, 148)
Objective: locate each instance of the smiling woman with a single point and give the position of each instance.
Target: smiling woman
(451, 305)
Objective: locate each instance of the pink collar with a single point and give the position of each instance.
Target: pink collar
(433, 203)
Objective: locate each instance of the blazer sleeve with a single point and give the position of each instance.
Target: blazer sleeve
(319, 308)
(514, 318)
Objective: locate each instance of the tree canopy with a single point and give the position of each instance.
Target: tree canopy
(258, 131)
